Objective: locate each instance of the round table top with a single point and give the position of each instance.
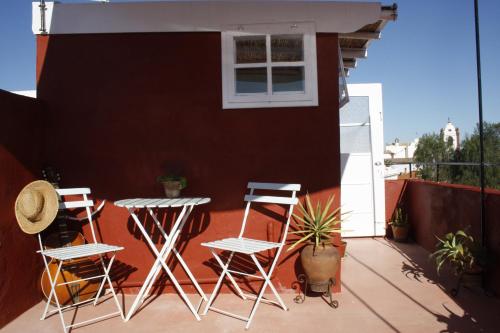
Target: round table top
(160, 202)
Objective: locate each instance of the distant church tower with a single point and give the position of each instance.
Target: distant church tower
(450, 131)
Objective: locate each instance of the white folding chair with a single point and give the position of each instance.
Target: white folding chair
(251, 247)
(67, 255)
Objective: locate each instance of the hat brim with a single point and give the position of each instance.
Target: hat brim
(48, 213)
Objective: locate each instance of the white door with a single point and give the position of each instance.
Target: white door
(361, 149)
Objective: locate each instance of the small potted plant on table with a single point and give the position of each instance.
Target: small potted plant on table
(464, 255)
(319, 257)
(172, 184)
(400, 225)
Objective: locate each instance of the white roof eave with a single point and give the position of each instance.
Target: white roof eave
(185, 16)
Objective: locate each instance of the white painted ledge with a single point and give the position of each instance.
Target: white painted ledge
(184, 16)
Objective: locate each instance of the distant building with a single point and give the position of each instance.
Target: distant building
(400, 150)
(450, 132)
(399, 171)
(398, 157)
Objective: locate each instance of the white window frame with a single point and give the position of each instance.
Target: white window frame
(308, 97)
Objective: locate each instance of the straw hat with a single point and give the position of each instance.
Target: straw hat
(36, 206)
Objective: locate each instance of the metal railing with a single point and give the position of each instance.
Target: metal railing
(441, 173)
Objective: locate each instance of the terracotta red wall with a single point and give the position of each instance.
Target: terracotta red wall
(122, 105)
(20, 162)
(393, 195)
(435, 209)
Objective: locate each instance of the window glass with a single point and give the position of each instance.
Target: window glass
(356, 111)
(269, 65)
(287, 48)
(250, 49)
(288, 79)
(251, 80)
(355, 139)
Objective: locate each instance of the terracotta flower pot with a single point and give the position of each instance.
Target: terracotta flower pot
(172, 188)
(341, 248)
(400, 234)
(320, 264)
(472, 280)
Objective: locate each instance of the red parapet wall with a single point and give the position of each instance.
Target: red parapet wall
(21, 137)
(121, 106)
(393, 195)
(435, 209)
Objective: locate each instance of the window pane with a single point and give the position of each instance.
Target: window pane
(250, 49)
(356, 111)
(287, 48)
(251, 80)
(355, 139)
(288, 79)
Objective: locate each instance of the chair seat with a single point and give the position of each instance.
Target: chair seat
(242, 245)
(80, 251)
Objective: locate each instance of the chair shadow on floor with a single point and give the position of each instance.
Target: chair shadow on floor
(119, 273)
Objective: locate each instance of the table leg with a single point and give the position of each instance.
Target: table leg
(169, 241)
(156, 265)
(190, 275)
(160, 261)
(177, 254)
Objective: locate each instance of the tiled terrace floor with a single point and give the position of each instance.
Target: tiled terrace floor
(387, 287)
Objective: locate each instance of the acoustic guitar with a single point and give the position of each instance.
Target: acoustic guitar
(71, 270)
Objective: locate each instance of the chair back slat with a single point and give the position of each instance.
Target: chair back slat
(82, 201)
(76, 204)
(73, 191)
(274, 186)
(271, 199)
(290, 200)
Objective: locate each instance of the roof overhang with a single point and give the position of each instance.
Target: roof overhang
(354, 45)
(357, 23)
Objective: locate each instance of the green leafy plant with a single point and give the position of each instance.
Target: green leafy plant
(316, 225)
(400, 218)
(459, 250)
(173, 178)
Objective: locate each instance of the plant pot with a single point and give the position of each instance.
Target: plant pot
(472, 277)
(172, 188)
(320, 264)
(400, 234)
(341, 248)
(472, 280)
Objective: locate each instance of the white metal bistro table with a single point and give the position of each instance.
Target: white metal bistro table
(186, 205)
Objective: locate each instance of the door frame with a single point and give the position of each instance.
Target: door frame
(374, 93)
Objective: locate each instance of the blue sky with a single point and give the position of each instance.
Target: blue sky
(425, 61)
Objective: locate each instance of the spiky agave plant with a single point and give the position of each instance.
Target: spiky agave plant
(458, 249)
(400, 218)
(316, 225)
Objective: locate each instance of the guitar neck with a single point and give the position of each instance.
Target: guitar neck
(53, 177)
(64, 232)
